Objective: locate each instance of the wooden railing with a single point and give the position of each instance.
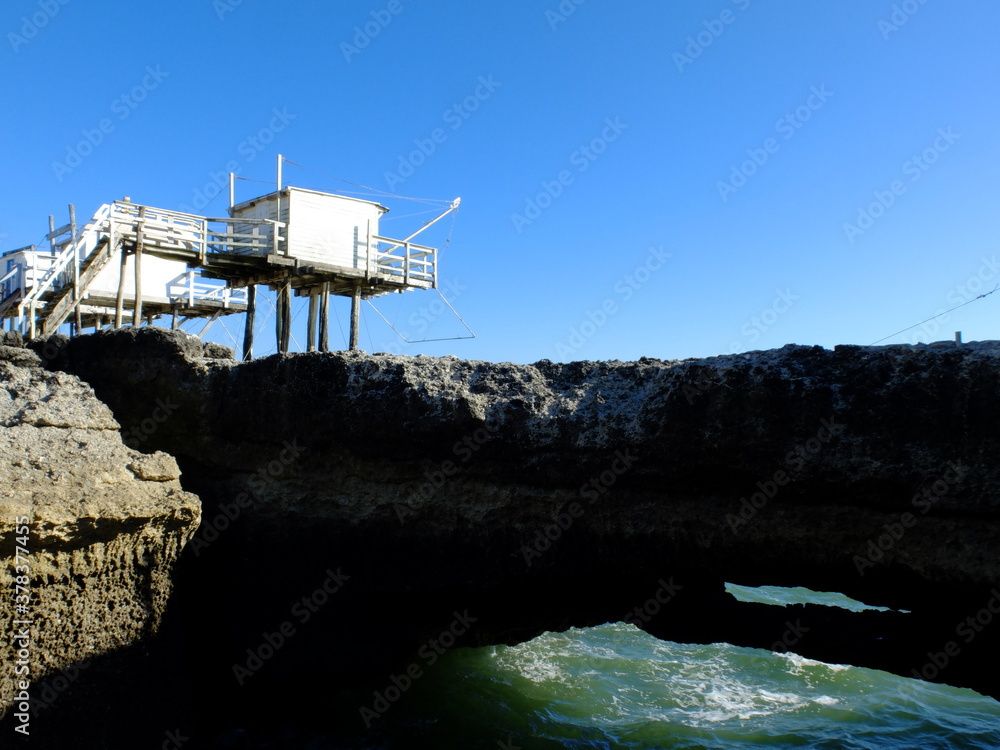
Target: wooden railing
(192, 288)
(407, 261)
(180, 231)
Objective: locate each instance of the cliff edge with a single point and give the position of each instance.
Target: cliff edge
(90, 531)
(360, 507)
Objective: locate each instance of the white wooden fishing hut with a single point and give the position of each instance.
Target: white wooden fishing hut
(293, 240)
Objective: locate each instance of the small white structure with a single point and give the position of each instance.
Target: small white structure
(322, 227)
(22, 269)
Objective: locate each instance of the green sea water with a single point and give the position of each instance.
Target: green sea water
(615, 686)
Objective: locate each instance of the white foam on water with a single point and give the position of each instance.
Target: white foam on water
(732, 699)
(798, 662)
(540, 670)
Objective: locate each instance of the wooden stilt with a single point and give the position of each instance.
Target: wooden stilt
(355, 317)
(311, 333)
(284, 317)
(279, 318)
(137, 310)
(176, 322)
(77, 315)
(120, 300)
(250, 322)
(286, 310)
(324, 318)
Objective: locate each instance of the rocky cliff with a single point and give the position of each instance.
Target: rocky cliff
(360, 510)
(93, 527)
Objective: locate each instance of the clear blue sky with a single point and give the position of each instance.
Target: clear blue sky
(837, 101)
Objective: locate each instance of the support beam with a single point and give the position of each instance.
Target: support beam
(77, 317)
(209, 324)
(278, 317)
(284, 317)
(324, 318)
(311, 325)
(137, 305)
(250, 322)
(137, 309)
(120, 299)
(355, 317)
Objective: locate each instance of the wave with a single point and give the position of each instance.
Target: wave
(615, 686)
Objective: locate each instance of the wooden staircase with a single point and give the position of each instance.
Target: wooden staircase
(9, 301)
(62, 302)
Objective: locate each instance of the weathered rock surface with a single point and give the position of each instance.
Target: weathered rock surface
(107, 524)
(538, 497)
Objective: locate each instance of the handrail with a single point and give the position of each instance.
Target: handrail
(400, 243)
(192, 288)
(181, 228)
(415, 261)
(63, 259)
